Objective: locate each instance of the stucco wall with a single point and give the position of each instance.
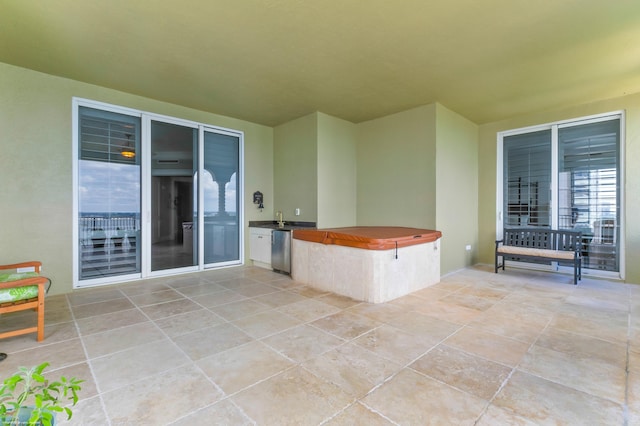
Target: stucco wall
(36, 163)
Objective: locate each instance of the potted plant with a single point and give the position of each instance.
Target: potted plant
(28, 397)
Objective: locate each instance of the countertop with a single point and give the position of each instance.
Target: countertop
(288, 224)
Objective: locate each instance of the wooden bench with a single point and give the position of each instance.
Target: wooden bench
(541, 245)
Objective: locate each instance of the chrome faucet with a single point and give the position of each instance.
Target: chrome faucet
(279, 216)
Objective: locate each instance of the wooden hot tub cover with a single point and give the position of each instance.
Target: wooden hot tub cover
(369, 237)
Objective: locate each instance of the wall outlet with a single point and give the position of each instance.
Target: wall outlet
(297, 212)
(468, 247)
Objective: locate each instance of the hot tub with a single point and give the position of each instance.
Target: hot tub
(374, 264)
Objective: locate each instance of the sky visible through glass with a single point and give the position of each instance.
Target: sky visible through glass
(115, 188)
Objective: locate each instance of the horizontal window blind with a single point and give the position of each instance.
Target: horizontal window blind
(589, 189)
(527, 179)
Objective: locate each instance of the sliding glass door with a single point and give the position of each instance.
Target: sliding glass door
(108, 195)
(220, 183)
(566, 176)
(140, 181)
(174, 161)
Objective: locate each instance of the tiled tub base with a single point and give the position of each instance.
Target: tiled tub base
(373, 276)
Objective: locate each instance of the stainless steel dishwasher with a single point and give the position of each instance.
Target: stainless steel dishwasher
(281, 250)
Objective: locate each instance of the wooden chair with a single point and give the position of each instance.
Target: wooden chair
(22, 287)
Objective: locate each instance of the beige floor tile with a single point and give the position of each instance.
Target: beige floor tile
(236, 310)
(302, 342)
(88, 411)
(382, 312)
(54, 316)
(53, 333)
(523, 326)
(89, 296)
(449, 284)
(414, 399)
(488, 345)
(308, 291)
(545, 402)
(613, 331)
(167, 309)
(463, 371)
(485, 291)
(450, 312)
(346, 325)
(58, 355)
(243, 366)
(354, 369)
(633, 393)
(119, 339)
(424, 325)
(144, 287)
(224, 413)
(309, 309)
(495, 416)
(294, 397)
(201, 289)
(394, 344)
(80, 371)
(126, 367)
(265, 323)
(101, 308)
(603, 379)
(211, 340)
(100, 323)
(211, 300)
(186, 323)
(161, 398)
(468, 301)
(358, 415)
(156, 297)
(339, 301)
(235, 282)
(583, 347)
(279, 298)
(581, 335)
(253, 290)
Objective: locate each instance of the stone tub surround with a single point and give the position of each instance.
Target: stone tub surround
(373, 276)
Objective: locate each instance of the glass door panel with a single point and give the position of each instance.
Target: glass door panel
(589, 196)
(527, 179)
(220, 183)
(173, 205)
(108, 194)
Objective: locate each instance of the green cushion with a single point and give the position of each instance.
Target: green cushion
(15, 276)
(18, 293)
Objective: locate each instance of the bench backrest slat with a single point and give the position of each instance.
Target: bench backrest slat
(542, 238)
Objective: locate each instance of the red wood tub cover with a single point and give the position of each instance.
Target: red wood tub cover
(369, 237)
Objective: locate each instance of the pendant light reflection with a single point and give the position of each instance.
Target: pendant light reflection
(127, 151)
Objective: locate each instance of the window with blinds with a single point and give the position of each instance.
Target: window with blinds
(527, 178)
(108, 194)
(588, 193)
(585, 196)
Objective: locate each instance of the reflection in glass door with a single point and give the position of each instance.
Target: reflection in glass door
(108, 194)
(220, 183)
(173, 165)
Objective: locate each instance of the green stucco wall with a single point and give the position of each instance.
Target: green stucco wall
(336, 172)
(295, 162)
(456, 189)
(396, 178)
(36, 164)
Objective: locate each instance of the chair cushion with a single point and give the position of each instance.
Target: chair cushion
(18, 293)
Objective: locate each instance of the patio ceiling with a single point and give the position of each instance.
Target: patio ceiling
(272, 61)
